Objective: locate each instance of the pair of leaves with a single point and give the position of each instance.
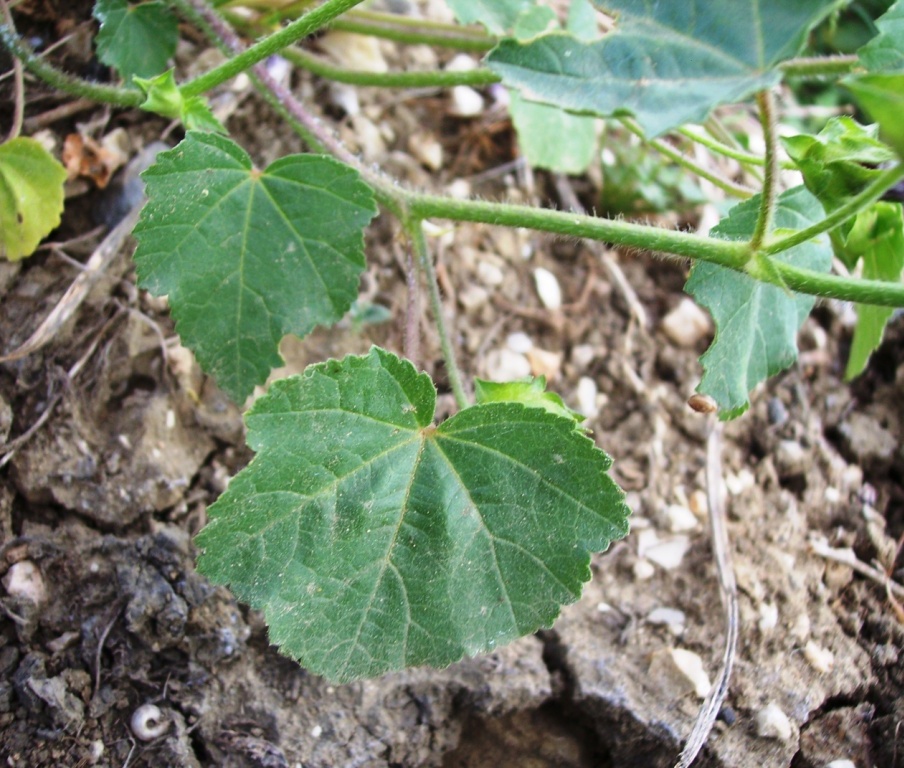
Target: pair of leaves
(31, 196)
(374, 540)
(248, 256)
(756, 322)
(666, 63)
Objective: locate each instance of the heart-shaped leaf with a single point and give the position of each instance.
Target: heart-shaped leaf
(248, 256)
(374, 540)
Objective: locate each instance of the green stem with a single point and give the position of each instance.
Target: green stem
(75, 86)
(414, 228)
(727, 253)
(433, 26)
(886, 180)
(433, 79)
(727, 186)
(819, 66)
(302, 27)
(415, 36)
(766, 215)
(876, 292)
(716, 146)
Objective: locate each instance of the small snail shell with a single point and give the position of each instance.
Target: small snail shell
(148, 722)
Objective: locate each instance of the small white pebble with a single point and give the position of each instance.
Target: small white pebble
(603, 607)
(681, 670)
(800, 630)
(97, 749)
(768, 617)
(643, 570)
(545, 363)
(489, 274)
(548, 288)
(25, 582)
(686, 324)
(737, 484)
(841, 764)
(772, 723)
(679, 519)
(832, 495)
(519, 342)
(464, 101)
(316, 732)
(148, 722)
(460, 189)
(505, 365)
(473, 297)
(821, 659)
(586, 394)
(461, 62)
(582, 355)
(427, 150)
(666, 553)
(672, 618)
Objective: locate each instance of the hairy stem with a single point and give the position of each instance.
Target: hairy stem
(62, 81)
(415, 229)
(413, 36)
(433, 79)
(302, 27)
(764, 221)
(726, 185)
(727, 253)
(819, 66)
(876, 292)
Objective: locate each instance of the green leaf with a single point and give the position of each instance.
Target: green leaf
(31, 196)
(756, 323)
(248, 256)
(878, 238)
(498, 16)
(374, 540)
(529, 391)
(550, 137)
(840, 161)
(163, 97)
(667, 63)
(885, 52)
(882, 98)
(135, 39)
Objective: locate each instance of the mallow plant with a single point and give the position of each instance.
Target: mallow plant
(372, 537)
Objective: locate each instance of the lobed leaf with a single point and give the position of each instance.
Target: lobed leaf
(756, 323)
(248, 256)
(135, 39)
(31, 196)
(885, 52)
(374, 540)
(666, 63)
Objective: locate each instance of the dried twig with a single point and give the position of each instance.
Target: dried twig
(729, 591)
(75, 295)
(847, 557)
